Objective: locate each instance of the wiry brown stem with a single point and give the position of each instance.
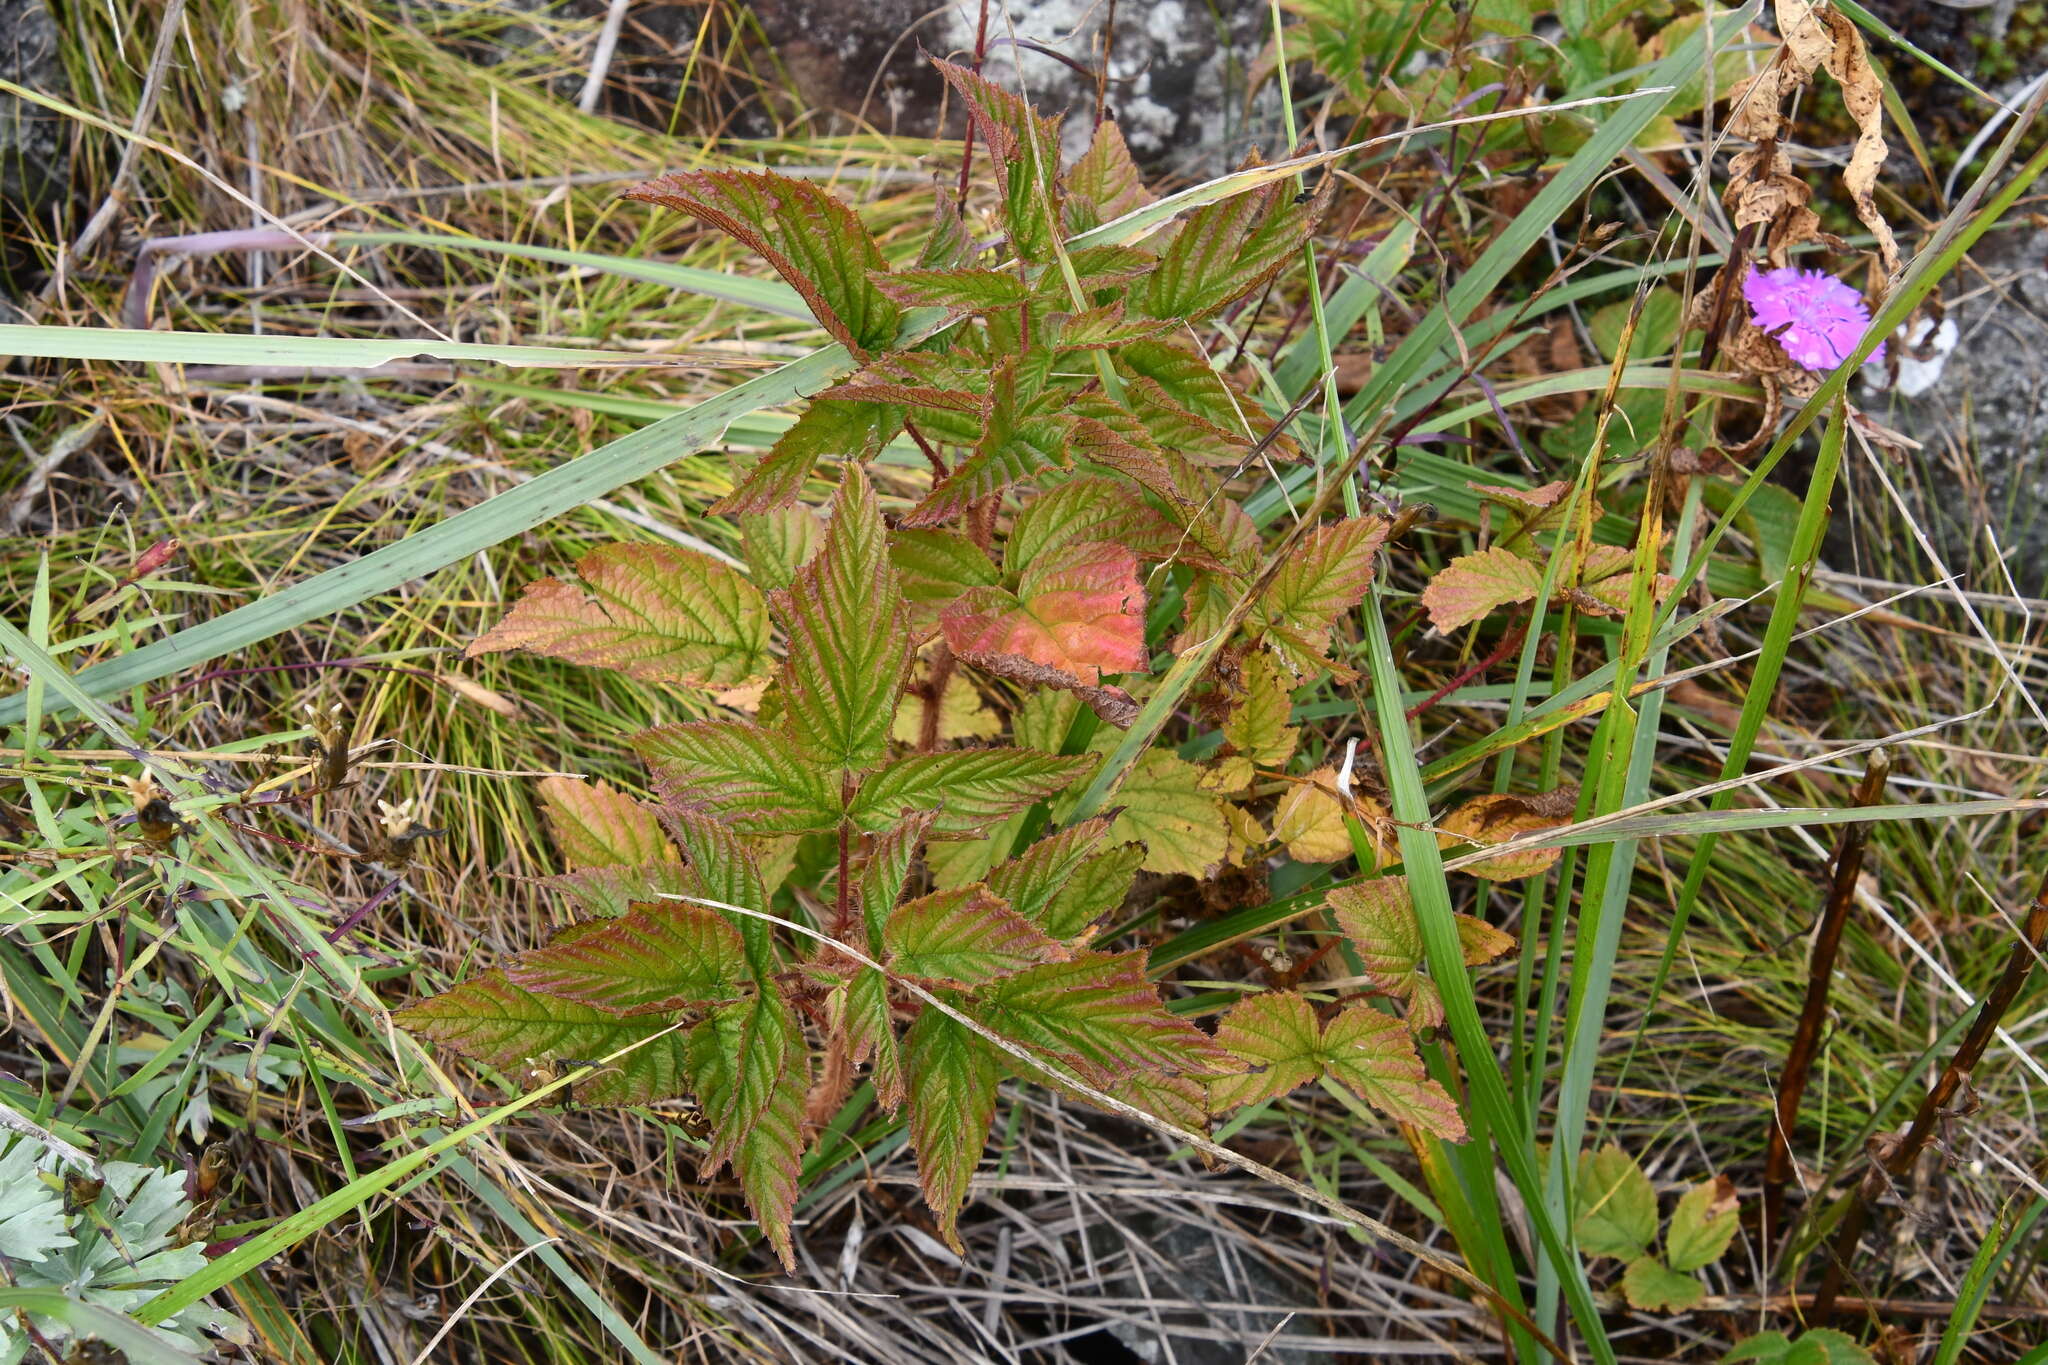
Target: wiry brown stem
(1820, 969)
(1895, 1159)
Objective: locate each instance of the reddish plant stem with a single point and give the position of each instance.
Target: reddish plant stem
(934, 698)
(939, 470)
(842, 911)
(967, 150)
(1507, 646)
(1893, 1160)
(1820, 969)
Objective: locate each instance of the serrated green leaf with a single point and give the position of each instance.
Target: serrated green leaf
(1702, 1225)
(1105, 183)
(596, 825)
(516, 1030)
(657, 959)
(812, 239)
(659, 613)
(1617, 1207)
(1025, 148)
(871, 1034)
(959, 291)
(1105, 328)
(937, 566)
(851, 431)
(962, 937)
(849, 640)
(1472, 585)
(1098, 1012)
(1326, 576)
(1028, 882)
(724, 868)
(884, 870)
(779, 542)
(1653, 1287)
(950, 1080)
(1379, 918)
(1276, 1038)
(1023, 432)
(612, 891)
(1086, 509)
(1168, 813)
(1223, 251)
(967, 790)
(1257, 726)
(1097, 887)
(1368, 1053)
(741, 774)
(750, 1067)
(1815, 1346)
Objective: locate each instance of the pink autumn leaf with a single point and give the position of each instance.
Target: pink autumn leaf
(1079, 611)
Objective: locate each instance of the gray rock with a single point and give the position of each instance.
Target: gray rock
(1983, 426)
(35, 144)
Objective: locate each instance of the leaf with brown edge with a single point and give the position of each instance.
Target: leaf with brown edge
(1098, 886)
(596, 825)
(750, 1067)
(1029, 882)
(1274, 1039)
(967, 790)
(1224, 251)
(1088, 509)
(1112, 704)
(657, 959)
(515, 1030)
(1024, 431)
(1702, 1225)
(844, 430)
(1471, 586)
(778, 542)
(1378, 916)
(812, 239)
(1326, 576)
(1498, 817)
(741, 774)
(1099, 1013)
(959, 291)
(962, 937)
(849, 639)
(659, 613)
(609, 892)
(1025, 148)
(950, 1080)
(1079, 611)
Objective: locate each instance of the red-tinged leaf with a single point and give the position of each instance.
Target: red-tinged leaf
(1472, 585)
(885, 870)
(611, 891)
(1112, 704)
(949, 245)
(750, 1067)
(596, 825)
(519, 1032)
(1275, 1038)
(962, 937)
(1378, 917)
(1498, 817)
(723, 868)
(1089, 509)
(871, 1034)
(812, 240)
(1224, 251)
(849, 639)
(960, 291)
(742, 774)
(1098, 886)
(1028, 882)
(844, 430)
(1023, 432)
(1106, 180)
(1372, 1055)
(1106, 328)
(950, 1080)
(657, 959)
(1326, 576)
(1179, 384)
(1081, 615)
(1098, 1012)
(1025, 148)
(967, 790)
(778, 543)
(659, 613)
(1526, 499)
(1171, 426)
(1105, 267)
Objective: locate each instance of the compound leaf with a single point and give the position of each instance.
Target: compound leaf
(739, 773)
(1098, 1012)
(1367, 1052)
(750, 1067)
(967, 789)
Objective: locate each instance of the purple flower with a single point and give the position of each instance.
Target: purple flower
(1814, 316)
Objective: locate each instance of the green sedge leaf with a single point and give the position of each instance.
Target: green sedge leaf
(658, 958)
(1098, 1012)
(1702, 1225)
(1257, 726)
(851, 431)
(1471, 586)
(1105, 183)
(1326, 576)
(596, 825)
(871, 1034)
(1617, 1207)
(778, 542)
(849, 639)
(1224, 251)
(1652, 1287)
(1028, 882)
(1078, 614)
(1025, 148)
(516, 1030)
(967, 789)
(950, 1080)
(609, 892)
(812, 240)
(750, 1067)
(741, 774)
(659, 613)
(962, 937)
(1368, 1053)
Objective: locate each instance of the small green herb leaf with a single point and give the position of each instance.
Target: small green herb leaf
(1617, 1208)
(1702, 1225)
(1653, 1287)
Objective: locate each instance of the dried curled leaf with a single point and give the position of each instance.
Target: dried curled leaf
(1498, 817)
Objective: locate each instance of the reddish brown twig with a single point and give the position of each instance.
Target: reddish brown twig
(1820, 969)
(1501, 651)
(1893, 1159)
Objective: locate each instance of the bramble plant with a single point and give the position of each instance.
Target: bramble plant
(850, 876)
